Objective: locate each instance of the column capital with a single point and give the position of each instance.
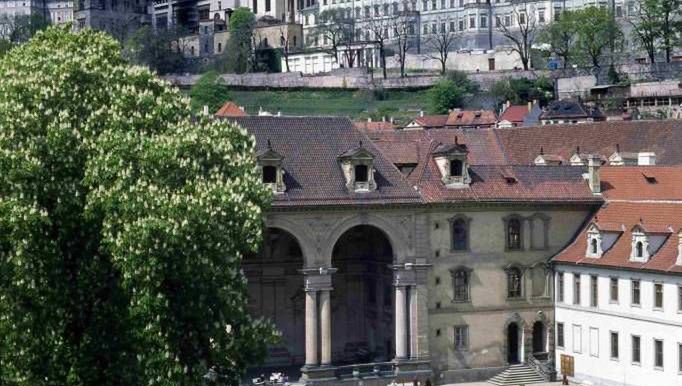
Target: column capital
(408, 274)
(318, 278)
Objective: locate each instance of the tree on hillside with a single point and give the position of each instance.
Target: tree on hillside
(239, 51)
(158, 49)
(523, 90)
(598, 34)
(521, 31)
(333, 28)
(461, 79)
(440, 42)
(561, 37)
(444, 96)
(403, 32)
(208, 91)
(123, 221)
(379, 26)
(657, 25)
(20, 28)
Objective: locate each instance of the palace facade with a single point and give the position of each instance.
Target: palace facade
(423, 254)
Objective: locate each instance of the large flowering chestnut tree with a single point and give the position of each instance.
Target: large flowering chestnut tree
(123, 220)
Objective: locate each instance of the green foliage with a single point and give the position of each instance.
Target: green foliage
(461, 79)
(523, 90)
(208, 91)
(20, 28)
(658, 26)
(123, 221)
(156, 49)
(445, 95)
(238, 55)
(561, 37)
(597, 33)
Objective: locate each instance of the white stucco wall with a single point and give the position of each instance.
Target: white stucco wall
(592, 362)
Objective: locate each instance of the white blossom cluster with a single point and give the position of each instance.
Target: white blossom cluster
(108, 185)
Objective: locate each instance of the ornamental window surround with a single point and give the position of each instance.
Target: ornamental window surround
(358, 169)
(270, 165)
(594, 242)
(640, 245)
(513, 227)
(459, 233)
(514, 282)
(452, 163)
(461, 280)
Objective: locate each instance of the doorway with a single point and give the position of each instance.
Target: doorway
(513, 343)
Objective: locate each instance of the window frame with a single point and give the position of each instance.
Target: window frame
(638, 338)
(561, 335)
(594, 291)
(560, 287)
(611, 291)
(513, 295)
(656, 354)
(516, 245)
(658, 306)
(467, 284)
(632, 292)
(465, 221)
(577, 282)
(464, 346)
(617, 345)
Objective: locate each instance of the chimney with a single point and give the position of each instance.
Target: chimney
(383, 119)
(205, 110)
(241, 108)
(530, 106)
(593, 165)
(421, 113)
(369, 119)
(646, 158)
(279, 113)
(392, 120)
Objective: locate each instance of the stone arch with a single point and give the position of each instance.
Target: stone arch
(300, 233)
(513, 343)
(397, 237)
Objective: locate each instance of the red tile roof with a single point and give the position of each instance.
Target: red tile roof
(632, 200)
(431, 121)
(230, 109)
(375, 126)
(515, 114)
(472, 118)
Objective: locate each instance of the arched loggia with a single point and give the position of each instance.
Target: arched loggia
(362, 299)
(274, 286)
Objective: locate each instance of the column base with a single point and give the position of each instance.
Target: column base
(312, 374)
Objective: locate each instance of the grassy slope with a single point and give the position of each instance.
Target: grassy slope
(354, 104)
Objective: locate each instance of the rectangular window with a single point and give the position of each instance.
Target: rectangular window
(522, 18)
(507, 20)
(594, 284)
(636, 349)
(635, 293)
(484, 22)
(461, 25)
(594, 342)
(425, 5)
(560, 335)
(426, 29)
(472, 22)
(461, 337)
(452, 3)
(452, 26)
(541, 16)
(658, 353)
(614, 345)
(434, 5)
(560, 287)
(576, 288)
(461, 3)
(658, 295)
(679, 298)
(577, 339)
(613, 289)
(679, 357)
(267, 5)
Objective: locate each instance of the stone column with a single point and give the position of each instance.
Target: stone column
(311, 328)
(325, 328)
(413, 304)
(401, 322)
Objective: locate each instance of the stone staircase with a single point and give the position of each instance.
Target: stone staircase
(515, 375)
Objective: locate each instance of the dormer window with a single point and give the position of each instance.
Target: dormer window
(272, 173)
(361, 173)
(451, 160)
(594, 242)
(640, 245)
(456, 168)
(269, 174)
(358, 169)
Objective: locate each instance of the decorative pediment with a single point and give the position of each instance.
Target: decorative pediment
(358, 169)
(453, 164)
(270, 165)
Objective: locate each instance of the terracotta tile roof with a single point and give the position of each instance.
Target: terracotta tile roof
(431, 121)
(472, 118)
(570, 109)
(510, 184)
(375, 125)
(633, 201)
(515, 114)
(313, 176)
(230, 109)
(523, 144)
